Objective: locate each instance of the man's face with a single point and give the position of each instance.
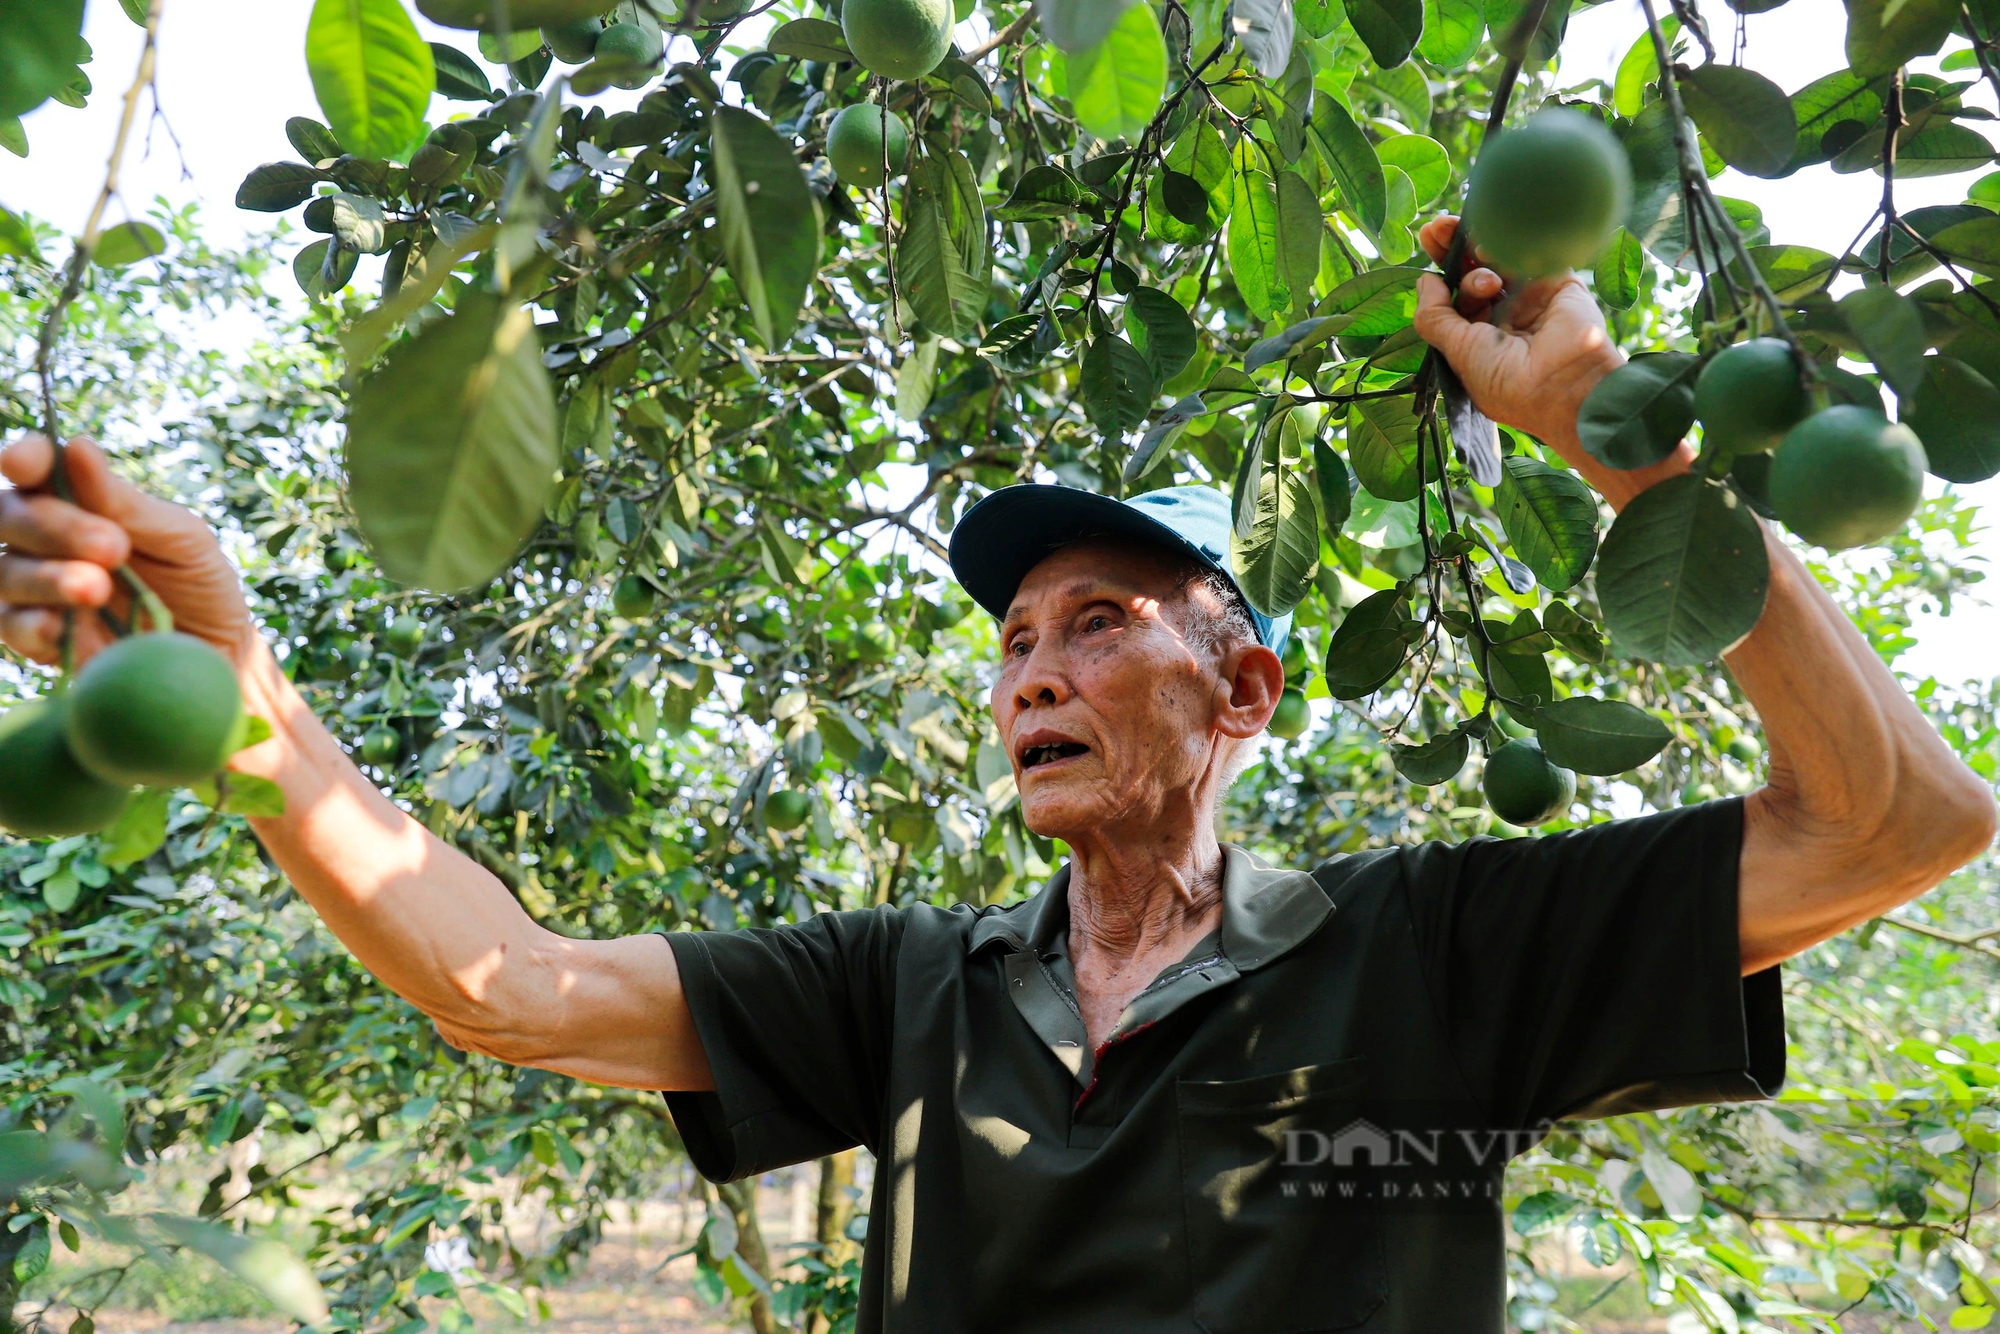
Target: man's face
(1105, 708)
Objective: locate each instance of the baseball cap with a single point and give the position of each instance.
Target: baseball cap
(1012, 530)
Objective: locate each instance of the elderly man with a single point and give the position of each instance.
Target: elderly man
(1176, 1088)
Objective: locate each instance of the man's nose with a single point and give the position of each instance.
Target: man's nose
(1043, 680)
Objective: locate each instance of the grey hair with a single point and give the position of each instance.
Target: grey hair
(1218, 619)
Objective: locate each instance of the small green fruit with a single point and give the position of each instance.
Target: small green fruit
(1846, 476)
(631, 46)
(1698, 792)
(757, 468)
(154, 709)
(1297, 662)
(405, 635)
(380, 745)
(1523, 788)
(1546, 195)
(1749, 395)
(573, 42)
(854, 145)
(1743, 748)
(787, 810)
(632, 598)
(1292, 715)
(44, 792)
(898, 39)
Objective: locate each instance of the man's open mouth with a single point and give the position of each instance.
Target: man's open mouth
(1061, 750)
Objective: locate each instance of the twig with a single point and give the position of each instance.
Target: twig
(1894, 115)
(1980, 942)
(1008, 34)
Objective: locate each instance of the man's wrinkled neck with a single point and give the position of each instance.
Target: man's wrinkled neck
(1134, 889)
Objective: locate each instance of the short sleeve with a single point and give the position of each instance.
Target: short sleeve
(1598, 971)
(796, 1024)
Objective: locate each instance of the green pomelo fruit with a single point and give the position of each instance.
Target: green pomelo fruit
(627, 45)
(157, 709)
(1292, 715)
(381, 744)
(404, 635)
(1744, 749)
(469, 14)
(573, 43)
(1546, 195)
(757, 468)
(632, 597)
(44, 792)
(787, 810)
(1523, 788)
(1697, 792)
(874, 642)
(854, 145)
(714, 11)
(1749, 395)
(1847, 476)
(1297, 663)
(898, 39)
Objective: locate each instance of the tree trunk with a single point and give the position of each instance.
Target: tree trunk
(740, 1198)
(836, 1208)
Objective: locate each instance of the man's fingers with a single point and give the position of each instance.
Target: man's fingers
(31, 632)
(1437, 323)
(156, 525)
(25, 462)
(26, 582)
(1435, 236)
(41, 525)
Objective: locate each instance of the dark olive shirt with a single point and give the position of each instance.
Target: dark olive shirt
(1301, 1126)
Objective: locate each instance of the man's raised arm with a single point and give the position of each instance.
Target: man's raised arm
(1864, 806)
(428, 921)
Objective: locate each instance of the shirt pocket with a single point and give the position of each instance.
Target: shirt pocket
(1266, 1254)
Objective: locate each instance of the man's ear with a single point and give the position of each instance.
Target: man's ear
(1252, 680)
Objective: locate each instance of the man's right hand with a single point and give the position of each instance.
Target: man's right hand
(57, 557)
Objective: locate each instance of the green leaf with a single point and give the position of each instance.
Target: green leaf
(1116, 85)
(1370, 645)
(1791, 271)
(1891, 331)
(943, 259)
(1357, 171)
(1117, 385)
(1640, 68)
(1275, 565)
(916, 378)
(128, 243)
(1253, 243)
(1550, 518)
(371, 72)
(1830, 112)
(1745, 117)
(1336, 491)
(32, 1260)
(459, 76)
(323, 268)
(277, 186)
(1164, 430)
(1683, 573)
(265, 1265)
(1599, 736)
(768, 220)
(451, 447)
(1883, 34)
(809, 39)
(1435, 761)
(1956, 413)
(358, 223)
(1318, 18)
(16, 237)
(39, 44)
(1637, 414)
(1374, 303)
(1574, 631)
(1043, 192)
(1620, 269)
(1422, 159)
(1388, 28)
(1299, 226)
(1265, 30)
(1074, 25)
(12, 137)
(1972, 245)
(1504, 20)
(1288, 342)
(1197, 156)
(248, 794)
(1541, 1211)
(1382, 447)
(1452, 32)
(1941, 148)
(138, 831)
(1160, 328)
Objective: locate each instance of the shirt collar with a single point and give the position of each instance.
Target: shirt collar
(1266, 913)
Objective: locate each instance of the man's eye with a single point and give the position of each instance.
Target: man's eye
(1019, 649)
(1098, 623)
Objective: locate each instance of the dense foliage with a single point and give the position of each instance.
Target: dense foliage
(692, 661)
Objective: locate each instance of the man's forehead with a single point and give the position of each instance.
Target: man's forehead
(1089, 569)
